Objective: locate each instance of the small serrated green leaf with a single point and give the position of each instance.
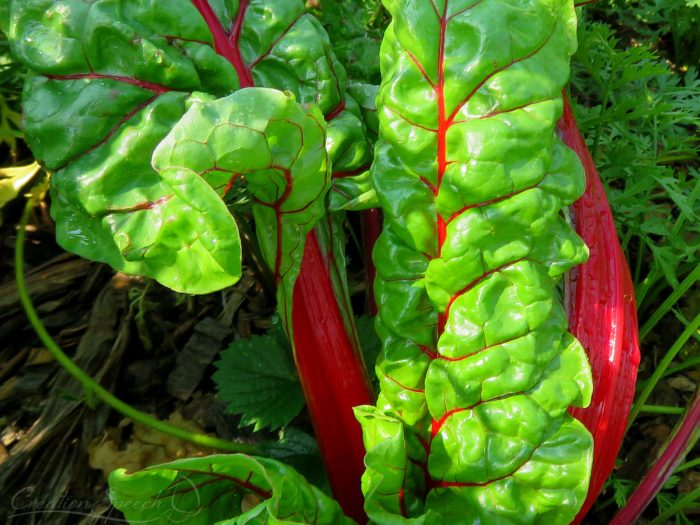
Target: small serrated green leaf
(256, 377)
(621, 488)
(671, 482)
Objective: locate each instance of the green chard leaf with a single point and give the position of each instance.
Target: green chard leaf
(113, 79)
(366, 97)
(278, 147)
(477, 369)
(300, 451)
(352, 188)
(224, 489)
(256, 377)
(356, 27)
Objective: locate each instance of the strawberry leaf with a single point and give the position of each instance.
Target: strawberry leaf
(256, 377)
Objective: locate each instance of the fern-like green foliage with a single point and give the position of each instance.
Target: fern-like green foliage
(671, 25)
(640, 115)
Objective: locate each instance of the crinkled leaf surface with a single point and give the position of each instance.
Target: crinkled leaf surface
(352, 187)
(356, 27)
(256, 378)
(366, 97)
(225, 489)
(113, 77)
(264, 136)
(477, 369)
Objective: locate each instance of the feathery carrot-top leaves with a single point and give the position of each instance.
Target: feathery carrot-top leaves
(477, 369)
(113, 77)
(224, 489)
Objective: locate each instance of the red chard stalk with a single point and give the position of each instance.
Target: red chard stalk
(329, 365)
(602, 315)
(682, 439)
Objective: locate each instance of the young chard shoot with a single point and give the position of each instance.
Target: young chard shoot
(477, 369)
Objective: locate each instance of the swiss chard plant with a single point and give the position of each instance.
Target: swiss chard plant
(165, 124)
(477, 369)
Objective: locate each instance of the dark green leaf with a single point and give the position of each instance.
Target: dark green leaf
(258, 380)
(300, 451)
(223, 489)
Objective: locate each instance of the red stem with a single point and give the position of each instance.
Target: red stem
(336, 111)
(676, 448)
(156, 88)
(333, 376)
(602, 315)
(443, 126)
(226, 42)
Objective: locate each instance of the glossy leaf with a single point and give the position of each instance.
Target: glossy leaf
(352, 186)
(114, 77)
(266, 137)
(225, 489)
(366, 97)
(347, 144)
(356, 27)
(476, 365)
(388, 483)
(111, 79)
